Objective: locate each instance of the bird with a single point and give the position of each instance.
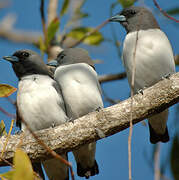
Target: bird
(154, 59)
(39, 103)
(77, 78)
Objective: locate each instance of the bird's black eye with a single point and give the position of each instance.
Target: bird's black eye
(25, 54)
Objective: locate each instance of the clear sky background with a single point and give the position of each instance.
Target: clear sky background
(111, 154)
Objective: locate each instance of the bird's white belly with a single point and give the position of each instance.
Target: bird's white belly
(39, 103)
(154, 57)
(80, 89)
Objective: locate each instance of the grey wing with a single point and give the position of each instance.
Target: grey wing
(59, 91)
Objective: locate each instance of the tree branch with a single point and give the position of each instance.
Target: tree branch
(19, 36)
(111, 77)
(107, 121)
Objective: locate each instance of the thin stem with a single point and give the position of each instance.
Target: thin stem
(89, 33)
(7, 139)
(164, 13)
(157, 163)
(132, 94)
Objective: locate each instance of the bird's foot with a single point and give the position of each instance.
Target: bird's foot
(71, 120)
(98, 109)
(140, 91)
(166, 76)
(53, 125)
(100, 133)
(87, 172)
(18, 132)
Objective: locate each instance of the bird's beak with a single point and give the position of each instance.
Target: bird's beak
(11, 58)
(53, 63)
(118, 18)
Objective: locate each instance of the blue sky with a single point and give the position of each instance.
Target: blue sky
(111, 154)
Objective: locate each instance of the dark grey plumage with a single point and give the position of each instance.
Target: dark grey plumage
(25, 67)
(73, 56)
(137, 18)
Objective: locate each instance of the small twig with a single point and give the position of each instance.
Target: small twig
(132, 99)
(43, 17)
(108, 99)
(7, 114)
(157, 162)
(53, 153)
(164, 13)
(88, 34)
(7, 139)
(111, 77)
(7, 162)
(11, 101)
(52, 10)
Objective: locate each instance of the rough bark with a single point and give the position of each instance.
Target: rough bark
(95, 125)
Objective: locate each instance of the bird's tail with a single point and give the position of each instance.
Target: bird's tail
(158, 128)
(56, 169)
(88, 171)
(86, 163)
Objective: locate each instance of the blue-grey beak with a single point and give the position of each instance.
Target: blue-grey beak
(118, 18)
(53, 63)
(11, 58)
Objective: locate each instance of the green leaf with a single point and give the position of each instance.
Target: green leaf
(2, 128)
(42, 45)
(94, 39)
(64, 7)
(173, 11)
(52, 29)
(6, 90)
(126, 3)
(81, 15)
(22, 166)
(8, 175)
(174, 158)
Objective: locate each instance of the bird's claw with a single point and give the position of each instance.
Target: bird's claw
(71, 120)
(166, 76)
(18, 132)
(98, 109)
(140, 91)
(53, 125)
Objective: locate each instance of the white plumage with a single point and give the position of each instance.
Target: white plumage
(82, 94)
(154, 60)
(39, 103)
(154, 57)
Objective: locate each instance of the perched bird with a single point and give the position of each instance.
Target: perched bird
(39, 103)
(154, 59)
(81, 91)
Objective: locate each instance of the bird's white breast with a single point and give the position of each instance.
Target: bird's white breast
(40, 105)
(154, 57)
(80, 88)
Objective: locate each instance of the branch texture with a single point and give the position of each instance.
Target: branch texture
(95, 125)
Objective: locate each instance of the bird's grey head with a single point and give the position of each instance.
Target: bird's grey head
(72, 56)
(27, 62)
(135, 18)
